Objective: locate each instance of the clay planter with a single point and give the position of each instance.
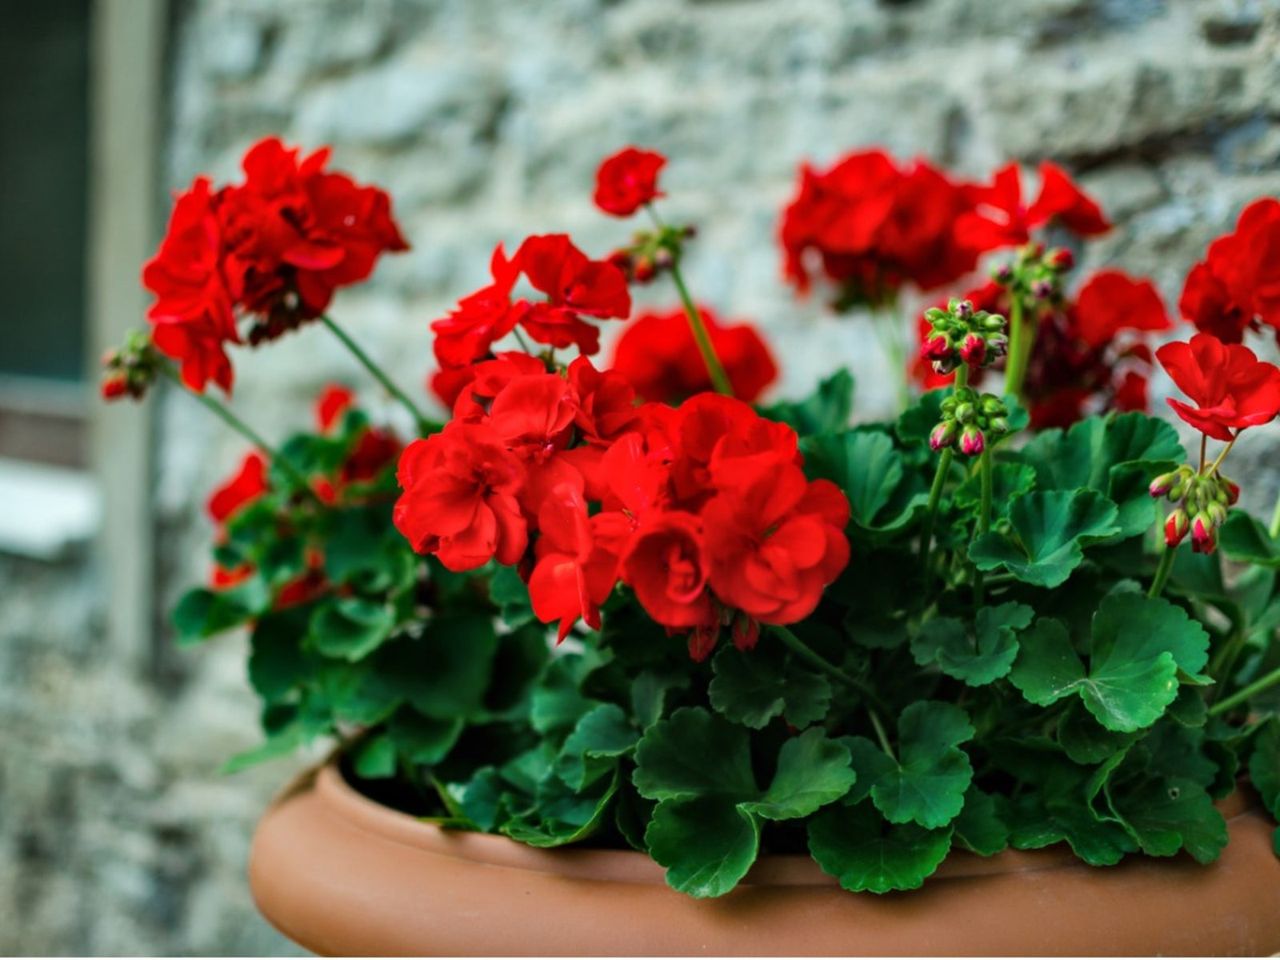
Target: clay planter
(340, 874)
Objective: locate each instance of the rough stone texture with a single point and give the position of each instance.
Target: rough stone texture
(485, 119)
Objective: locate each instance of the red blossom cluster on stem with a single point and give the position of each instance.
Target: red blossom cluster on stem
(273, 248)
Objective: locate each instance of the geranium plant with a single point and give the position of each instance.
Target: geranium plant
(622, 606)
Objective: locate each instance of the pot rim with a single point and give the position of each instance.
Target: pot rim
(342, 801)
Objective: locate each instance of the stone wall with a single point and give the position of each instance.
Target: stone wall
(485, 119)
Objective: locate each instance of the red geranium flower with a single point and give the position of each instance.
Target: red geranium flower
(1237, 287)
(246, 485)
(1111, 301)
(1001, 220)
(1231, 389)
(334, 401)
(276, 247)
(658, 356)
(481, 319)
(775, 542)
(574, 284)
(577, 563)
(667, 568)
(628, 180)
(459, 498)
(871, 226)
(193, 315)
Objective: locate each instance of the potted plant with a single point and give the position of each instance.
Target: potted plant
(615, 661)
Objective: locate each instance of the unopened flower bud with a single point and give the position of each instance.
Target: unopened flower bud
(1217, 513)
(745, 632)
(114, 386)
(993, 323)
(962, 309)
(936, 348)
(1002, 274)
(965, 412)
(642, 270)
(663, 258)
(973, 350)
(1060, 258)
(992, 404)
(621, 259)
(972, 442)
(1232, 490)
(1202, 533)
(998, 425)
(1162, 484)
(943, 435)
(1176, 526)
(1042, 289)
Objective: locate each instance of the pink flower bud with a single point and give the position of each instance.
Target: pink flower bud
(1060, 258)
(1202, 533)
(1162, 484)
(943, 435)
(972, 442)
(746, 631)
(1042, 289)
(973, 350)
(1233, 492)
(1176, 526)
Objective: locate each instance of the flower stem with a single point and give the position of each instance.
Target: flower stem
(223, 413)
(888, 328)
(1275, 520)
(880, 733)
(984, 514)
(424, 425)
(1021, 337)
(1252, 690)
(1162, 572)
(815, 659)
(710, 359)
(1223, 664)
(715, 369)
(939, 481)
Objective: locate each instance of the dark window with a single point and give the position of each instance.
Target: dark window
(44, 120)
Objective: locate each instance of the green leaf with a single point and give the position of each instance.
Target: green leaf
(447, 672)
(1139, 645)
(1042, 822)
(826, 410)
(277, 664)
(1168, 815)
(350, 628)
(559, 816)
(1245, 540)
(649, 693)
(706, 844)
(375, 758)
(927, 782)
(812, 772)
(980, 826)
(856, 846)
(509, 592)
(1085, 740)
(591, 750)
(557, 702)
(753, 687)
(918, 420)
(694, 753)
(864, 464)
(1009, 481)
(202, 613)
(1049, 531)
(978, 660)
(1264, 765)
(423, 740)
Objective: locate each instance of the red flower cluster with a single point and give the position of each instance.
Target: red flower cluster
(276, 246)
(703, 511)
(628, 180)
(373, 450)
(1230, 388)
(999, 218)
(657, 355)
(871, 225)
(1237, 286)
(1085, 358)
(572, 285)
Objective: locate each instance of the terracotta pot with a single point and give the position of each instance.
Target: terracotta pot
(340, 874)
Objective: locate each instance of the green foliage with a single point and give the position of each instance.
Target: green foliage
(1016, 689)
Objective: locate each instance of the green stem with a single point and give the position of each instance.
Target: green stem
(939, 481)
(984, 515)
(1162, 572)
(880, 733)
(1240, 696)
(223, 413)
(815, 659)
(424, 425)
(715, 369)
(1275, 520)
(888, 328)
(1223, 664)
(719, 379)
(1021, 336)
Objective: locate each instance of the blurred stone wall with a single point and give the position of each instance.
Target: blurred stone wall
(485, 119)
